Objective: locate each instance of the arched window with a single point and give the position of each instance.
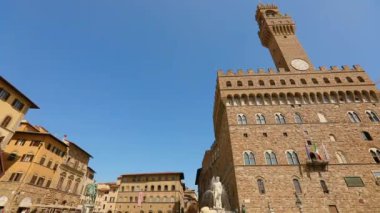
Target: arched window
(152, 188)
(298, 118)
(297, 186)
(239, 83)
(242, 120)
(228, 84)
(361, 79)
(292, 157)
(372, 116)
(315, 81)
(260, 185)
(250, 83)
(326, 80)
(303, 81)
(332, 138)
(324, 186)
(341, 158)
(322, 118)
(354, 118)
(249, 158)
(366, 136)
(173, 188)
(349, 80)
(292, 82)
(6, 121)
(270, 158)
(375, 153)
(261, 83)
(282, 81)
(337, 80)
(280, 119)
(272, 83)
(260, 119)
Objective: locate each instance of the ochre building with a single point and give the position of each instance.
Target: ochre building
(295, 138)
(42, 172)
(13, 107)
(161, 192)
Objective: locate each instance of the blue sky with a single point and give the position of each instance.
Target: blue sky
(132, 81)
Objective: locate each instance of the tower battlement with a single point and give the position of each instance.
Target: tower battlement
(261, 71)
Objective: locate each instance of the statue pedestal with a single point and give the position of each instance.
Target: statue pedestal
(88, 208)
(217, 210)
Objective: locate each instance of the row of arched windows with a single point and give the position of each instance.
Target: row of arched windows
(304, 98)
(354, 117)
(152, 188)
(270, 158)
(292, 157)
(280, 118)
(152, 199)
(303, 81)
(296, 184)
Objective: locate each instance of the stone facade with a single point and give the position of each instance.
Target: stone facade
(106, 198)
(294, 139)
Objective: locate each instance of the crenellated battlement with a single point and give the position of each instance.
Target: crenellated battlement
(262, 6)
(270, 71)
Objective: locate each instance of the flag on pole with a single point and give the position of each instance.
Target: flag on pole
(307, 151)
(141, 198)
(325, 150)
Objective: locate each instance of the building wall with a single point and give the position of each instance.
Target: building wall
(332, 92)
(40, 179)
(8, 110)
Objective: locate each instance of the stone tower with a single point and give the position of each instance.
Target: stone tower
(277, 33)
(294, 139)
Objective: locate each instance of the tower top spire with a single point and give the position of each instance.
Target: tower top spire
(277, 33)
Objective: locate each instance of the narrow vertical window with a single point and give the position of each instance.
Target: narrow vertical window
(375, 155)
(297, 186)
(366, 136)
(341, 158)
(324, 186)
(260, 185)
(6, 121)
(292, 158)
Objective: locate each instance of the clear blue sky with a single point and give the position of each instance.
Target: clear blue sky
(132, 81)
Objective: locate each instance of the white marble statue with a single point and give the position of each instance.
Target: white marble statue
(217, 190)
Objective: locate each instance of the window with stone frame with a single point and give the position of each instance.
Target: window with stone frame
(4, 95)
(261, 186)
(249, 158)
(241, 119)
(375, 153)
(353, 116)
(260, 118)
(292, 157)
(280, 118)
(372, 116)
(6, 121)
(366, 136)
(298, 118)
(297, 186)
(270, 158)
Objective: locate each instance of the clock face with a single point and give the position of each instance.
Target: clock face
(299, 64)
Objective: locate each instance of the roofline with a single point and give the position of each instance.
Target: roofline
(91, 169)
(79, 148)
(43, 133)
(156, 173)
(32, 104)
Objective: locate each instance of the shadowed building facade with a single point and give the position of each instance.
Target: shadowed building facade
(295, 138)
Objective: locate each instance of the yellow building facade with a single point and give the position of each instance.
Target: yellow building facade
(43, 173)
(13, 107)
